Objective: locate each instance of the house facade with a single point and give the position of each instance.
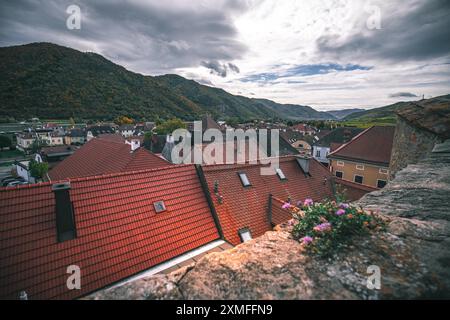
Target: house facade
(329, 142)
(365, 159)
(126, 130)
(24, 140)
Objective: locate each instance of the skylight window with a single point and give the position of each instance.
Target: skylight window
(159, 206)
(280, 174)
(244, 179)
(245, 234)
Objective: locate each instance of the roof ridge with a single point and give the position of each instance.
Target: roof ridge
(351, 141)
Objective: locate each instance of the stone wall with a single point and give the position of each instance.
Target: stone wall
(413, 254)
(411, 144)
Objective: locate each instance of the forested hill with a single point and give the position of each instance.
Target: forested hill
(49, 81)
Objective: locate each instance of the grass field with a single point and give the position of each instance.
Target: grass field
(11, 154)
(369, 122)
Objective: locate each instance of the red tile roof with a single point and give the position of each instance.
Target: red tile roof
(353, 191)
(373, 145)
(114, 137)
(100, 156)
(247, 207)
(119, 232)
(279, 215)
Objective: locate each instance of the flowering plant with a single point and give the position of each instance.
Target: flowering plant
(324, 227)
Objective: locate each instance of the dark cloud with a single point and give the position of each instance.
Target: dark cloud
(418, 30)
(220, 69)
(233, 67)
(146, 36)
(403, 95)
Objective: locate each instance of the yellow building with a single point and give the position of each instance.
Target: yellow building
(365, 159)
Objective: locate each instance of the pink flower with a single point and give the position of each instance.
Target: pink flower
(308, 202)
(323, 227)
(340, 212)
(306, 240)
(287, 205)
(344, 205)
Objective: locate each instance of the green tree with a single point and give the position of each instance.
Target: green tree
(148, 140)
(232, 122)
(38, 170)
(169, 126)
(5, 142)
(72, 122)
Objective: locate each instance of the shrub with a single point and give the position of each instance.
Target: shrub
(322, 228)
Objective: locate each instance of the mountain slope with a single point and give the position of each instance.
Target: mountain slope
(219, 102)
(50, 81)
(340, 114)
(294, 111)
(389, 111)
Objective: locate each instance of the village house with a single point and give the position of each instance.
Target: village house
(94, 131)
(331, 141)
(56, 139)
(126, 130)
(302, 143)
(365, 159)
(22, 169)
(25, 140)
(55, 154)
(304, 129)
(76, 136)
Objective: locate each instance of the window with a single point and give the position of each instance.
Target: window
(340, 163)
(159, 206)
(381, 183)
(280, 174)
(245, 234)
(384, 171)
(339, 174)
(359, 179)
(359, 167)
(318, 153)
(244, 179)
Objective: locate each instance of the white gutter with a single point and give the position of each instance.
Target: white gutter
(170, 263)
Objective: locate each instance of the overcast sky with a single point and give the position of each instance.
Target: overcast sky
(329, 54)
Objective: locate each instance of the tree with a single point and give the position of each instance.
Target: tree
(232, 122)
(148, 140)
(72, 122)
(37, 145)
(38, 170)
(5, 142)
(123, 120)
(170, 126)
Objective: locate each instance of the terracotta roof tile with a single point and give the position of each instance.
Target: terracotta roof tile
(373, 145)
(100, 156)
(118, 231)
(247, 207)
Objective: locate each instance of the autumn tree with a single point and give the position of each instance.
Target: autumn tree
(123, 120)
